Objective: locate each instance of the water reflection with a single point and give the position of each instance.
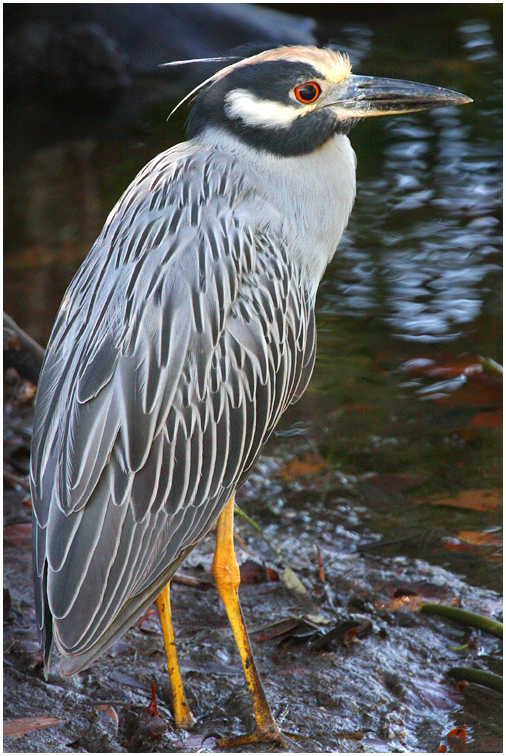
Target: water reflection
(424, 235)
(478, 40)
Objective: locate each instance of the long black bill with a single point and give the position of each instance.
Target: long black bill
(365, 96)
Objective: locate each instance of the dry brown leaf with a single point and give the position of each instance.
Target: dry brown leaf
(252, 572)
(110, 711)
(490, 419)
(479, 500)
(16, 728)
(311, 464)
(481, 392)
(476, 538)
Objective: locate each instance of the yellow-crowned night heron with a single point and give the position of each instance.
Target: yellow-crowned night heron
(185, 334)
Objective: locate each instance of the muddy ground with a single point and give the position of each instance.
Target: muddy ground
(383, 689)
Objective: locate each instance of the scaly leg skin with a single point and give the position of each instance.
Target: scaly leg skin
(226, 575)
(182, 714)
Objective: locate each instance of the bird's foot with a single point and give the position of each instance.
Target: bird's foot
(271, 734)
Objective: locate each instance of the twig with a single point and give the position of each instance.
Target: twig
(21, 351)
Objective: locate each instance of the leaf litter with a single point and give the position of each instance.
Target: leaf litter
(356, 678)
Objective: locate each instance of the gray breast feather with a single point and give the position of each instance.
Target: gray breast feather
(184, 335)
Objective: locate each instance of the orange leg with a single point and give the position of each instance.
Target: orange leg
(226, 575)
(182, 714)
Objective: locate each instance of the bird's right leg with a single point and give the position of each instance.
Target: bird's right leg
(226, 575)
(182, 714)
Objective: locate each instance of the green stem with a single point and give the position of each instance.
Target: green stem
(490, 626)
(240, 513)
(488, 679)
(490, 366)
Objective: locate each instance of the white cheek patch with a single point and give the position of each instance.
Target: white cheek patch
(254, 111)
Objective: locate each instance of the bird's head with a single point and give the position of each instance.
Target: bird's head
(291, 100)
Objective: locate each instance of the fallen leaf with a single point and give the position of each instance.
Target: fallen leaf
(110, 711)
(360, 736)
(194, 742)
(490, 419)
(278, 628)
(252, 572)
(272, 575)
(350, 636)
(458, 732)
(300, 592)
(310, 465)
(483, 391)
(453, 544)
(477, 538)
(16, 728)
(479, 500)
(342, 634)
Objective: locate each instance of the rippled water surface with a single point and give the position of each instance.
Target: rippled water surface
(422, 250)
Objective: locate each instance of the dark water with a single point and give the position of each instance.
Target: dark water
(417, 275)
(417, 280)
(422, 250)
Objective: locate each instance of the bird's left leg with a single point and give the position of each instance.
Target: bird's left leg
(182, 714)
(226, 575)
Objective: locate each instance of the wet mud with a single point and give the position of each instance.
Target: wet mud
(347, 663)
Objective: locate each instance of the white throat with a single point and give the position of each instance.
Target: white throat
(313, 193)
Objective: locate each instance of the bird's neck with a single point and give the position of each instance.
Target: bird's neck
(312, 193)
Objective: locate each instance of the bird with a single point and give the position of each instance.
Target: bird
(185, 334)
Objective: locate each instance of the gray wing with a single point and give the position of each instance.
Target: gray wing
(183, 337)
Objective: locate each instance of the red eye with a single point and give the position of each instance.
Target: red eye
(307, 92)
